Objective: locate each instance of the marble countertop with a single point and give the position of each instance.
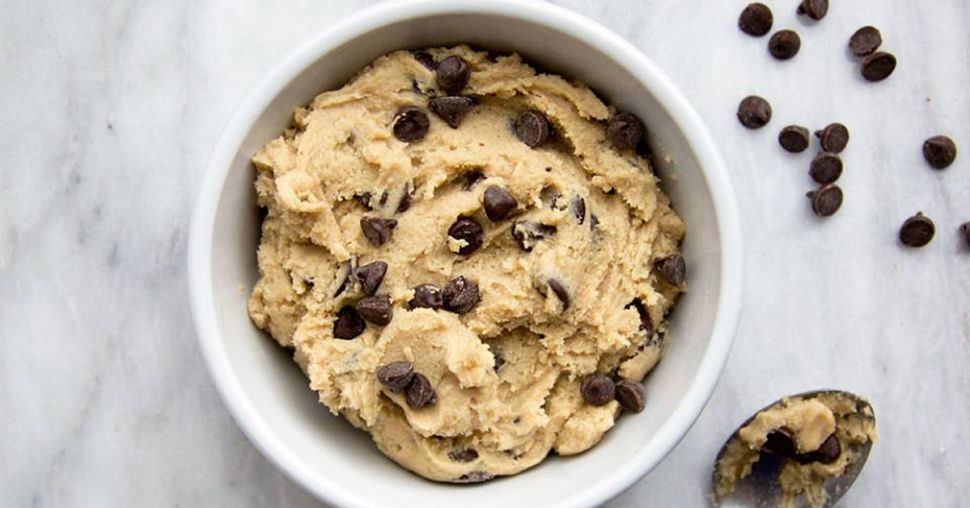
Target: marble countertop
(111, 109)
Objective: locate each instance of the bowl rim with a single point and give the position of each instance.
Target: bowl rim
(558, 18)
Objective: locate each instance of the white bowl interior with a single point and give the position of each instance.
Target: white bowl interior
(340, 463)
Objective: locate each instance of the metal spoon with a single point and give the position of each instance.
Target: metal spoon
(761, 488)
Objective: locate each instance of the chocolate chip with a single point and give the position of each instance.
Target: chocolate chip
(499, 361)
(396, 375)
(469, 230)
(826, 200)
(426, 59)
(646, 324)
(780, 442)
(624, 130)
(578, 207)
(865, 40)
(348, 324)
(498, 202)
(364, 199)
(475, 477)
(826, 454)
(754, 112)
(405, 203)
(375, 309)
(917, 231)
(463, 455)
(794, 138)
(878, 66)
(419, 392)
(559, 289)
(345, 273)
(756, 19)
(629, 395)
(410, 124)
(370, 276)
(965, 230)
(451, 109)
(532, 128)
(597, 389)
(460, 295)
(815, 9)
(939, 151)
(376, 229)
(826, 167)
(672, 269)
(834, 137)
(784, 44)
(426, 296)
(527, 234)
(471, 179)
(452, 74)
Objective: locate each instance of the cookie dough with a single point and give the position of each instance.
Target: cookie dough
(486, 237)
(819, 436)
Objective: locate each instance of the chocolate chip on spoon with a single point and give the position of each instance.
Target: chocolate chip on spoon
(826, 168)
(780, 442)
(917, 231)
(468, 230)
(498, 203)
(410, 124)
(826, 200)
(754, 112)
(348, 324)
(794, 138)
(672, 269)
(452, 74)
(377, 230)
(451, 108)
(370, 276)
(756, 19)
(624, 130)
(834, 137)
(426, 296)
(827, 453)
(375, 309)
(532, 128)
(419, 392)
(815, 9)
(784, 44)
(597, 389)
(396, 375)
(460, 295)
(878, 66)
(629, 395)
(939, 151)
(865, 41)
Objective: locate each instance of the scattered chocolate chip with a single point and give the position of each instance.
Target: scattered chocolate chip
(794, 138)
(463, 455)
(865, 41)
(646, 324)
(405, 203)
(410, 124)
(370, 276)
(426, 59)
(364, 199)
(460, 295)
(426, 296)
(469, 230)
(498, 203)
(396, 375)
(377, 230)
(878, 66)
(672, 269)
(917, 231)
(451, 109)
(756, 20)
(826, 167)
(597, 389)
(475, 477)
(826, 200)
(780, 442)
(815, 9)
(965, 230)
(559, 289)
(419, 392)
(348, 324)
(375, 309)
(578, 207)
(471, 180)
(629, 395)
(383, 200)
(754, 112)
(527, 234)
(452, 74)
(624, 130)
(345, 274)
(784, 44)
(532, 128)
(834, 137)
(939, 151)
(826, 454)
(499, 361)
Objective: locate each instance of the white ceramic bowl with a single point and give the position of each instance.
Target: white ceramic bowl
(267, 393)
